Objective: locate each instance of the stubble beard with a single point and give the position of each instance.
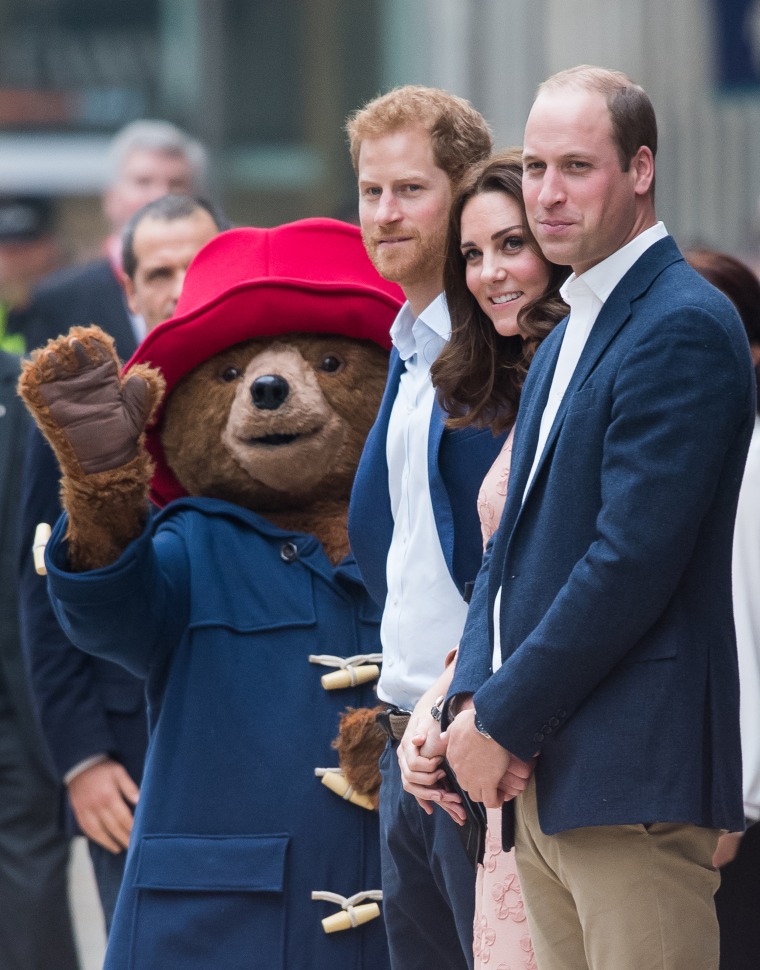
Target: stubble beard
(417, 261)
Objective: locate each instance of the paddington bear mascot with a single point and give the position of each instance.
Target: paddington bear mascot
(243, 419)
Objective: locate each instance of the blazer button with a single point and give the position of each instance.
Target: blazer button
(289, 552)
(562, 713)
(554, 721)
(546, 729)
(538, 737)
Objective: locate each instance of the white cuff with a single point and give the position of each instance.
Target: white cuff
(90, 762)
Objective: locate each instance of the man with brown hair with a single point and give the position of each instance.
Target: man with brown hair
(608, 585)
(413, 520)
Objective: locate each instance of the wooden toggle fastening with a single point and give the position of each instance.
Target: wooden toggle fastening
(354, 911)
(360, 669)
(336, 781)
(41, 536)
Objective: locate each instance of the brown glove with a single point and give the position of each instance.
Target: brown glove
(94, 422)
(101, 417)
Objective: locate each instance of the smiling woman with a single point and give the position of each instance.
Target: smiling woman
(504, 273)
(503, 297)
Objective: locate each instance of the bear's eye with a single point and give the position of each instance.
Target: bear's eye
(230, 374)
(330, 364)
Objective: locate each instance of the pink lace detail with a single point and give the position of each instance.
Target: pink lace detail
(493, 491)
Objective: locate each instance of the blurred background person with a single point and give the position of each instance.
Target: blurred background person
(159, 243)
(737, 901)
(93, 711)
(29, 250)
(148, 159)
(35, 927)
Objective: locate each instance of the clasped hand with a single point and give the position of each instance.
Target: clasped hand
(488, 772)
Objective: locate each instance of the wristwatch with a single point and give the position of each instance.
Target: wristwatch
(436, 711)
(481, 729)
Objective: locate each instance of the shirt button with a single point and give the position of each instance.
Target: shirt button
(289, 552)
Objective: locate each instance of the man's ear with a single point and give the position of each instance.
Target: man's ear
(642, 165)
(129, 292)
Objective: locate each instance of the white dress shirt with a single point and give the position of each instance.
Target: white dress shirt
(585, 295)
(424, 612)
(746, 580)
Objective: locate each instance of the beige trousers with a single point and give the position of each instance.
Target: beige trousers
(618, 897)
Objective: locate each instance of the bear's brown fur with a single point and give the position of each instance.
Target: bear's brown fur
(359, 746)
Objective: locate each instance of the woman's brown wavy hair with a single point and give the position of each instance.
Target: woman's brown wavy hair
(479, 374)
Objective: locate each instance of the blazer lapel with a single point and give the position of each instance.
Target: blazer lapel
(374, 448)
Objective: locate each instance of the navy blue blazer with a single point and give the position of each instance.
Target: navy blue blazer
(87, 705)
(457, 464)
(619, 658)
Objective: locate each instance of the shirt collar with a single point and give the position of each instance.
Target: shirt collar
(406, 329)
(605, 276)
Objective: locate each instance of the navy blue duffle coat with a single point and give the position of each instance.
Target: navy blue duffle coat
(219, 610)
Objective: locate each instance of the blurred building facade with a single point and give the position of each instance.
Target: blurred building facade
(267, 85)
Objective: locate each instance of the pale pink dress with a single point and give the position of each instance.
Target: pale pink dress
(501, 940)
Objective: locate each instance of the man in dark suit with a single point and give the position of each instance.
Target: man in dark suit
(93, 711)
(607, 590)
(35, 927)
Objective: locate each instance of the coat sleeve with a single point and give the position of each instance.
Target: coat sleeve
(132, 612)
(672, 452)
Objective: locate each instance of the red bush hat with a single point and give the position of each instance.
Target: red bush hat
(310, 276)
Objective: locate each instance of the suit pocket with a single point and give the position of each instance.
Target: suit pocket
(212, 901)
(582, 400)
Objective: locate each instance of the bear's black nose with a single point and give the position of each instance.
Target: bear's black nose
(269, 392)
